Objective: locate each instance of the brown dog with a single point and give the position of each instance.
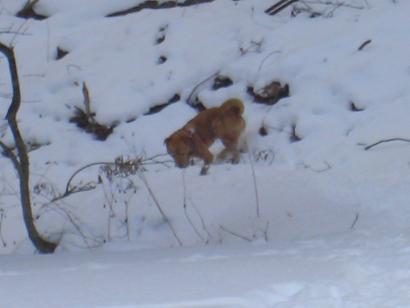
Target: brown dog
(194, 139)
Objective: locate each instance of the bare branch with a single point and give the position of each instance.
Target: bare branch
(68, 188)
(21, 159)
(119, 166)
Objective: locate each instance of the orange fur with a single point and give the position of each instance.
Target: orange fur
(193, 140)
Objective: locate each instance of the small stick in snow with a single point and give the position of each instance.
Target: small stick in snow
(364, 44)
(356, 218)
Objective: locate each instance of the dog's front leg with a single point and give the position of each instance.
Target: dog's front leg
(201, 151)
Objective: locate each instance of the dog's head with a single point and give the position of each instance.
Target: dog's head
(232, 107)
(179, 146)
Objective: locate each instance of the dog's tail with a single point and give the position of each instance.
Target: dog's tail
(233, 106)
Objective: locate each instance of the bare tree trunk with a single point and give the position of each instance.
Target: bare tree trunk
(20, 159)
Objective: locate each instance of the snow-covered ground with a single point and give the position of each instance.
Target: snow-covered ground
(332, 272)
(309, 218)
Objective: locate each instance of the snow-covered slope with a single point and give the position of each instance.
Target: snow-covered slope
(322, 219)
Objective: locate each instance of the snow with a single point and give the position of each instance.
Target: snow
(341, 273)
(318, 222)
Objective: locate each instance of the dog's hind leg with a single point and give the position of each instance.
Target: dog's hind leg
(231, 148)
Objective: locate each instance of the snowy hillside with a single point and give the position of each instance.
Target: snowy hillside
(310, 217)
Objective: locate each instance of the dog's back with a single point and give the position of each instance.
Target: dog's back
(217, 122)
(201, 125)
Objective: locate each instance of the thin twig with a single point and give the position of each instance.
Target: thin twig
(76, 226)
(337, 4)
(18, 32)
(109, 198)
(266, 58)
(127, 218)
(356, 218)
(255, 185)
(73, 190)
(204, 227)
(144, 180)
(1, 224)
(235, 234)
(186, 210)
(266, 231)
(67, 188)
(9, 154)
(368, 147)
(189, 99)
